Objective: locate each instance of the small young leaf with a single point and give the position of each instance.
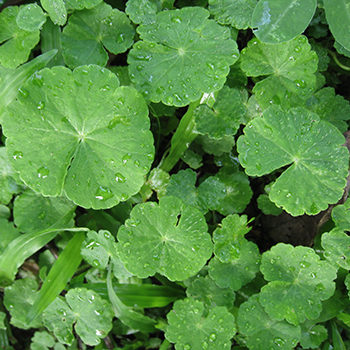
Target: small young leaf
(42, 341)
(18, 299)
(236, 13)
(188, 329)
(299, 281)
(312, 335)
(318, 166)
(148, 13)
(236, 260)
(225, 116)
(16, 43)
(276, 21)
(331, 107)
(336, 245)
(264, 332)
(170, 238)
(98, 247)
(92, 317)
(182, 55)
(341, 215)
(31, 17)
(56, 10)
(290, 68)
(89, 32)
(86, 119)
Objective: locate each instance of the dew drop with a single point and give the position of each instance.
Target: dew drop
(176, 19)
(119, 178)
(43, 172)
(103, 193)
(279, 341)
(212, 337)
(41, 105)
(125, 158)
(23, 93)
(205, 345)
(105, 88)
(17, 155)
(137, 163)
(96, 263)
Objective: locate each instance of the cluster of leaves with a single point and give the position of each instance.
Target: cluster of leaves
(144, 145)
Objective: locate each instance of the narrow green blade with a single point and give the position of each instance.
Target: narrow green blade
(60, 273)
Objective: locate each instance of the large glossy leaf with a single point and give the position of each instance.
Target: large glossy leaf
(276, 21)
(237, 13)
(91, 32)
(318, 165)
(170, 238)
(299, 280)
(77, 132)
(189, 329)
(338, 18)
(289, 68)
(182, 55)
(16, 43)
(264, 332)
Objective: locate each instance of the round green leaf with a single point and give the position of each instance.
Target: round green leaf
(263, 332)
(148, 13)
(92, 316)
(183, 55)
(81, 4)
(16, 43)
(276, 21)
(8, 233)
(56, 10)
(77, 132)
(268, 207)
(299, 281)
(290, 68)
(338, 18)
(336, 245)
(188, 329)
(98, 247)
(331, 107)
(31, 17)
(236, 13)
(318, 166)
(225, 116)
(18, 299)
(170, 238)
(236, 260)
(312, 335)
(89, 32)
(341, 215)
(33, 212)
(206, 290)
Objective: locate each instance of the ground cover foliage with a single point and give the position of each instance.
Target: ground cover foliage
(174, 174)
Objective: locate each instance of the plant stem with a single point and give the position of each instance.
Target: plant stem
(342, 66)
(182, 138)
